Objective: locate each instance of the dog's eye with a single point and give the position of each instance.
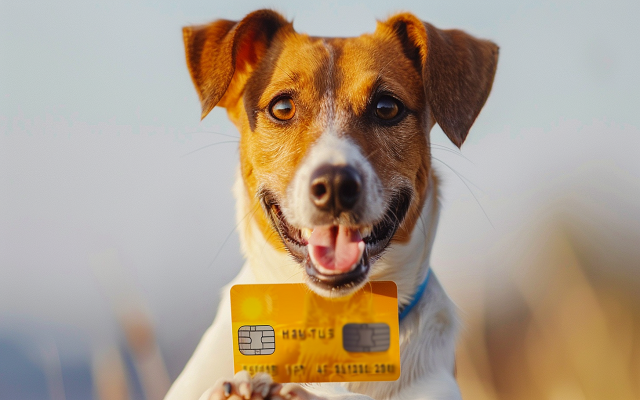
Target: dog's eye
(388, 108)
(283, 109)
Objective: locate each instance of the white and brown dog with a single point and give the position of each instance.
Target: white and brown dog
(336, 186)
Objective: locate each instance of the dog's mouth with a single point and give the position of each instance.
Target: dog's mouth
(338, 257)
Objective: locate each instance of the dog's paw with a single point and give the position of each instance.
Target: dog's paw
(243, 387)
(293, 391)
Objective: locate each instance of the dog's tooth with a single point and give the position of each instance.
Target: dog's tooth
(306, 233)
(366, 231)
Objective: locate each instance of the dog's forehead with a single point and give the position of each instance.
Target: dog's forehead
(376, 62)
(348, 69)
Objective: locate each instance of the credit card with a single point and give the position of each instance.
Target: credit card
(295, 335)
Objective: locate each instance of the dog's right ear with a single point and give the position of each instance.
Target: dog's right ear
(457, 69)
(222, 54)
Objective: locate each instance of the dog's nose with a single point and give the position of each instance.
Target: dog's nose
(335, 188)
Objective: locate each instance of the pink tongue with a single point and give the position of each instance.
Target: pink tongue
(335, 248)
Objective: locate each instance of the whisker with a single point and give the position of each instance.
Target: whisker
(215, 133)
(266, 241)
(424, 226)
(286, 73)
(291, 277)
(445, 148)
(470, 191)
(383, 69)
(460, 175)
(209, 145)
(372, 153)
(251, 212)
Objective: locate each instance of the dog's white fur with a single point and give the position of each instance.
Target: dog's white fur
(335, 150)
(427, 334)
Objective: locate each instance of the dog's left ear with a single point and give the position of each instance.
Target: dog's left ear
(222, 54)
(457, 71)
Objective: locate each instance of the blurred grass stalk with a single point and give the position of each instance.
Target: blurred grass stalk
(572, 337)
(135, 321)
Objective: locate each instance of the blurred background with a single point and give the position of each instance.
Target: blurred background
(116, 213)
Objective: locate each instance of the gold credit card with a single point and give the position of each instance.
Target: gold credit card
(295, 335)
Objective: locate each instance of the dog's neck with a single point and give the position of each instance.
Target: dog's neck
(406, 264)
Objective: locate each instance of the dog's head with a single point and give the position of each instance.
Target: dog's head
(334, 141)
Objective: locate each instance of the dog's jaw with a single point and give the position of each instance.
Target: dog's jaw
(318, 239)
(331, 283)
(403, 263)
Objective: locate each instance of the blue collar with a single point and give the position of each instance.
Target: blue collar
(416, 298)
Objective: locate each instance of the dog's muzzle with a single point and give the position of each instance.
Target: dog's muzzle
(337, 251)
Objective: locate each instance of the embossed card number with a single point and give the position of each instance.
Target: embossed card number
(295, 335)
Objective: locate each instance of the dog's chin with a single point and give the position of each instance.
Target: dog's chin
(331, 282)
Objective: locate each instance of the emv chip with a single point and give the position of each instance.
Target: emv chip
(365, 338)
(256, 340)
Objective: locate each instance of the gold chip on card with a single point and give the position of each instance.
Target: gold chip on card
(295, 335)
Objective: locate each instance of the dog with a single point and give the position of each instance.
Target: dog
(335, 186)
